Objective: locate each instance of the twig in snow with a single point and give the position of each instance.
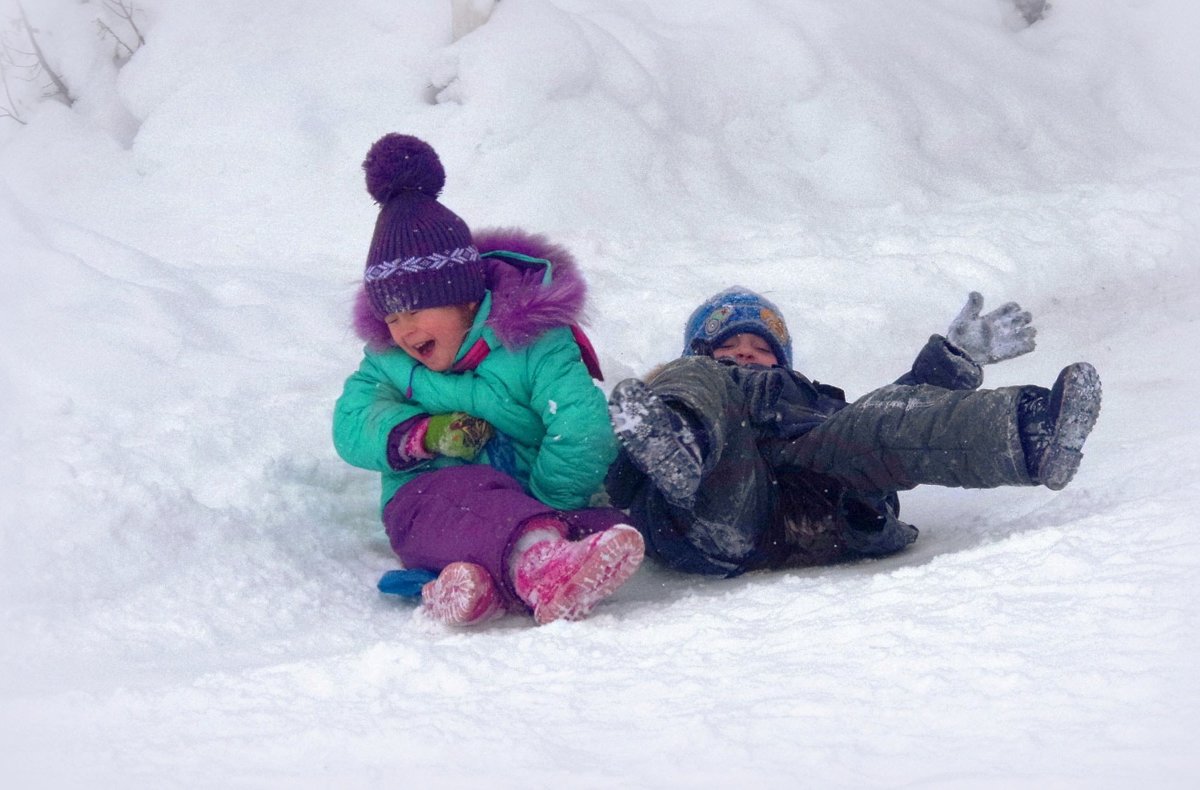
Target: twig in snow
(60, 87)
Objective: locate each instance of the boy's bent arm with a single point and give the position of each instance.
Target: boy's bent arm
(579, 444)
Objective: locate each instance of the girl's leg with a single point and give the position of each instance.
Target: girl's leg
(492, 543)
(469, 513)
(462, 594)
(564, 579)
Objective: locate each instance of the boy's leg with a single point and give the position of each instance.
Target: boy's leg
(899, 436)
(660, 441)
(721, 530)
(1055, 424)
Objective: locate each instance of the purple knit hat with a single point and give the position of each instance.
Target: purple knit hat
(421, 254)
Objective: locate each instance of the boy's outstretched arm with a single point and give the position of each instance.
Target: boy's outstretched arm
(1002, 334)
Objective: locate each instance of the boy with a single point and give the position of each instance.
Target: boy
(731, 461)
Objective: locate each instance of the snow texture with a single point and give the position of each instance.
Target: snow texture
(189, 571)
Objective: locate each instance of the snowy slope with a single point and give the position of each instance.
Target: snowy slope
(188, 569)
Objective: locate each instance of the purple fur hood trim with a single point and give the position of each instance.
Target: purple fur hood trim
(522, 307)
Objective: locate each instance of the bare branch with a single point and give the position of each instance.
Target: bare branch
(19, 51)
(9, 109)
(105, 29)
(60, 87)
(121, 9)
(125, 9)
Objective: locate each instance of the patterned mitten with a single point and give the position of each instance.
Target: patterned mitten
(457, 434)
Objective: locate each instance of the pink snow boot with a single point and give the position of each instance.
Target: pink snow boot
(462, 594)
(563, 579)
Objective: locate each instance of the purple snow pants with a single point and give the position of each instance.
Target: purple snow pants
(473, 513)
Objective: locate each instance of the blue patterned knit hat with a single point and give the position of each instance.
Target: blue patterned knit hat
(733, 312)
(421, 252)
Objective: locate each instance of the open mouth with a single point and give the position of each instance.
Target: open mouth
(424, 349)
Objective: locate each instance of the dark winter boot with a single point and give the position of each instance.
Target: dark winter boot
(658, 440)
(1054, 427)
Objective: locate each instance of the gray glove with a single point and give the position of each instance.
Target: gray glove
(1002, 334)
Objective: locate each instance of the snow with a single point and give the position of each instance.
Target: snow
(188, 569)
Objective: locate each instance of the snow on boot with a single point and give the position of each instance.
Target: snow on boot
(563, 579)
(462, 594)
(1072, 411)
(658, 441)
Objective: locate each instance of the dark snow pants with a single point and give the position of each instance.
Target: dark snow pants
(893, 439)
(900, 436)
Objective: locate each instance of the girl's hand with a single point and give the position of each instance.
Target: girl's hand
(457, 434)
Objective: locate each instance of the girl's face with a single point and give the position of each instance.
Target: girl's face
(432, 335)
(746, 349)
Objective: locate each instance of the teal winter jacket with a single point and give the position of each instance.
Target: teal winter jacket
(524, 368)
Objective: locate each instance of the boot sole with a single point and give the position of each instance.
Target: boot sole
(1078, 409)
(648, 437)
(462, 594)
(610, 563)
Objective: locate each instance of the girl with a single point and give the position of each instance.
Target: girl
(475, 402)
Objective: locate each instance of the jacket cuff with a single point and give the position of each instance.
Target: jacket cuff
(943, 364)
(406, 444)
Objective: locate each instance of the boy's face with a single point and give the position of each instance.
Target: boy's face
(433, 335)
(746, 349)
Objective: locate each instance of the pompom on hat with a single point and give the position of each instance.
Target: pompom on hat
(421, 254)
(732, 312)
